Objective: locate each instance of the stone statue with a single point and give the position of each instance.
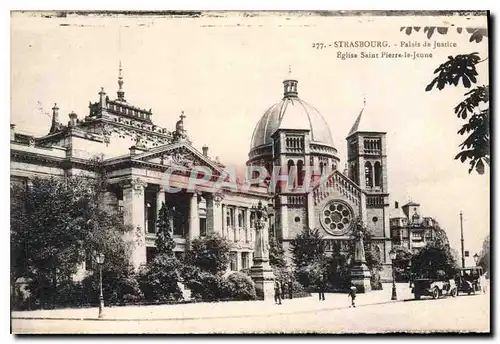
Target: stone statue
(261, 234)
(359, 247)
(261, 272)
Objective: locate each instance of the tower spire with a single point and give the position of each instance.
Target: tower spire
(121, 92)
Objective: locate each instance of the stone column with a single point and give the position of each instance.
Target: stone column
(261, 272)
(224, 221)
(215, 211)
(235, 224)
(160, 198)
(133, 203)
(248, 231)
(194, 220)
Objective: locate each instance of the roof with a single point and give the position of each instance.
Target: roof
(366, 122)
(411, 204)
(291, 113)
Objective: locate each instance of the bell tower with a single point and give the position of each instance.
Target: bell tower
(367, 167)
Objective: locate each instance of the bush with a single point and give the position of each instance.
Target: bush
(239, 286)
(118, 287)
(204, 286)
(158, 279)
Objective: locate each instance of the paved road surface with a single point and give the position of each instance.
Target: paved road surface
(464, 313)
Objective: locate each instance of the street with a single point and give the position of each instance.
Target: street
(463, 313)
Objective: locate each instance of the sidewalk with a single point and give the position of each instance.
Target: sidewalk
(215, 310)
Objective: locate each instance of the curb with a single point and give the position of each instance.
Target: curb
(207, 318)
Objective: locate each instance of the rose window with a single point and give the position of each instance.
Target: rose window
(336, 217)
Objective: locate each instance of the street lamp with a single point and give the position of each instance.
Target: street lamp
(394, 294)
(100, 261)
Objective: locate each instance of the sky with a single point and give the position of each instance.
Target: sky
(225, 71)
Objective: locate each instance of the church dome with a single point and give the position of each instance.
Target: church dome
(291, 113)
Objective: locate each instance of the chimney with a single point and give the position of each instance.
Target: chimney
(12, 132)
(72, 119)
(205, 150)
(133, 150)
(102, 99)
(396, 205)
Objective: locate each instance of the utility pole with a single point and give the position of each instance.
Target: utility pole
(462, 238)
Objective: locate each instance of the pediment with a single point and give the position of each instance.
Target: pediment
(181, 155)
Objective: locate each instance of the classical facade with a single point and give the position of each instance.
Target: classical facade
(146, 162)
(411, 230)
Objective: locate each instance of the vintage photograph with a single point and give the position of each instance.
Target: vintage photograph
(250, 172)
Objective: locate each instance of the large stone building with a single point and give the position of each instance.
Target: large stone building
(411, 230)
(291, 136)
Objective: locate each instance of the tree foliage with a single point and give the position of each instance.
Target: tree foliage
(307, 247)
(434, 259)
(159, 278)
(209, 253)
(484, 256)
(475, 106)
(276, 253)
(56, 222)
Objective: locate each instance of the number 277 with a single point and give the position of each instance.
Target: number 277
(318, 45)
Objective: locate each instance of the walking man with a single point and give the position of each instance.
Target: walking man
(277, 292)
(352, 295)
(322, 287)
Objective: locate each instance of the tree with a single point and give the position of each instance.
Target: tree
(434, 259)
(210, 253)
(56, 223)
(484, 256)
(276, 253)
(159, 278)
(205, 264)
(475, 106)
(307, 248)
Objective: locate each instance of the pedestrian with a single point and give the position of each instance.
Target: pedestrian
(277, 292)
(290, 289)
(352, 295)
(322, 287)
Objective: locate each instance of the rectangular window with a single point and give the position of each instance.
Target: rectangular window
(234, 261)
(245, 260)
(240, 218)
(252, 219)
(203, 226)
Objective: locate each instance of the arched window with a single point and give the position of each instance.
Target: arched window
(378, 174)
(291, 173)
(321, 168)
(368, 174)
(300, 173)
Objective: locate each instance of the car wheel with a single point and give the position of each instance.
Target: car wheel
(454, 293)
(435, 293)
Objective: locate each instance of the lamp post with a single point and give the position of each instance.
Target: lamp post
(394, 294)
(100, 262)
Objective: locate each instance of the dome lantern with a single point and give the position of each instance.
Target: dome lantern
(290, 85)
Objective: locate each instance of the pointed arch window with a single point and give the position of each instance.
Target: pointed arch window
(291, 171)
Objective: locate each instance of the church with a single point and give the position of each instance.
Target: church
(147, 165)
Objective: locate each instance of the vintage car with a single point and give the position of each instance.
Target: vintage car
(434, 288)
(471, 280)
